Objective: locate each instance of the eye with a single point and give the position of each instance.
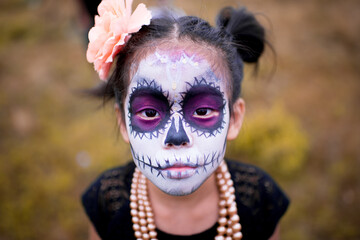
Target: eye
(148, 114)
(205, 113)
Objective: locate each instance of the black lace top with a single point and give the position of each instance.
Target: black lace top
(260, 201)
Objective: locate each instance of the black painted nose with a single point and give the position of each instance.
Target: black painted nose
(176, 138)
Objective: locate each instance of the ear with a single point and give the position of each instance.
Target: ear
(236, 119)
(121, 123)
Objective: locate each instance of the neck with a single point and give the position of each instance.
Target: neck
(201, 207)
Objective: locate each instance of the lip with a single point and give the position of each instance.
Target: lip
(179, 171)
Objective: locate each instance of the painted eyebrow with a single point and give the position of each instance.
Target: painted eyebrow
(200, 89)
(145, 91)
(150, 87)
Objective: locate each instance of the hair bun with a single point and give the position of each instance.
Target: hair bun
(248, 35)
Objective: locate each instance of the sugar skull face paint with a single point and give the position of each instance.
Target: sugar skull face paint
(177, 120)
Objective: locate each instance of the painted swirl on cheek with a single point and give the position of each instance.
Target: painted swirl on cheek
(149, 110)
(203, 108)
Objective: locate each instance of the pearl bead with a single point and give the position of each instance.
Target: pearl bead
(227, 195)
(150, 220)
(149, 214)
(237, 236)
(141, 214)
(227, 175)
(223, 188)
(232, 197)
(133, 197)
(141, 208)
(138, 234)
(143, 229)
(236, 227)
(219, 176)
(153, 234)
(136, 227)
(133, 212)
(222, 203)
(219, 238)
(229, 231)
(146, 236)
(143, 222)
(133, 205)
(221, 181)
(151, 226)
(229, 182)
(232, 210)
(228, 238)
(221, 229)
(222, 221)
(229, 202)
(231, 190)
(223, 212)
(235, 218)
(135, 219)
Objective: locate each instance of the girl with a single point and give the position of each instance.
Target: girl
(176, 86)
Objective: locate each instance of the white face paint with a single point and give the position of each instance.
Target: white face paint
(177, 120)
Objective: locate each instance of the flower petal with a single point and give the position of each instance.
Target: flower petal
(111, 32)
(141, 16)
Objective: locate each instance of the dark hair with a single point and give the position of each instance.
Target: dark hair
(238, 36)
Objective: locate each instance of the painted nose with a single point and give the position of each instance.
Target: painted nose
(176, 137)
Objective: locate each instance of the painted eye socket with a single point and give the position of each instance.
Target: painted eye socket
(203, 108)
(148, 111)
(148, 114)
(205, 113)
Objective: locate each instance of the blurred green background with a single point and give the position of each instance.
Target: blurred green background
(302, 123)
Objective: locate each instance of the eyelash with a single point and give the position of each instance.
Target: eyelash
(143, 114)
(209, 113)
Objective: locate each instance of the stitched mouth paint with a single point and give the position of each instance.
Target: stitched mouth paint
(177, 134)
(179, 171)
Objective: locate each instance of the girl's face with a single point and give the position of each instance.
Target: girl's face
(177, 119)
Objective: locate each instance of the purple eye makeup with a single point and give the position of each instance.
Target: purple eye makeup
(149, 109)
(203, 107)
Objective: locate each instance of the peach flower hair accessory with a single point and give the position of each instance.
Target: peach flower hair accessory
(113, 28)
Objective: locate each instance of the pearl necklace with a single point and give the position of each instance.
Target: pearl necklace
(143, 217)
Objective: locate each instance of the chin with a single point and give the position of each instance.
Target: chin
(180, 187)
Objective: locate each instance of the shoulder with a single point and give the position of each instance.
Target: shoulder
(260, 199)
(108, 196)
(111, 184)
